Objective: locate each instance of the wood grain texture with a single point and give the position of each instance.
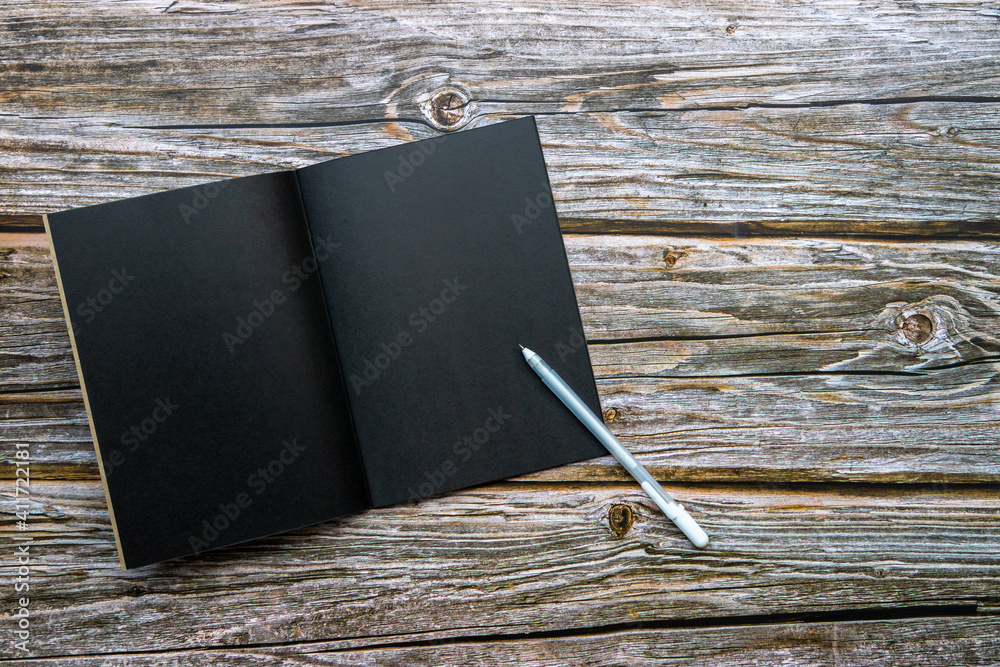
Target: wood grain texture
(514, 558)
(929, 169)
(35, 351)
(967, 641)
(717, 360)
(160, 62)
(832, 118)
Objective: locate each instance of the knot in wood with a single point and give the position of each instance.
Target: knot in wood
(730, 29)
(610, 414)
(620, 519)
(136, 590)
(917, 328)
(448, 108)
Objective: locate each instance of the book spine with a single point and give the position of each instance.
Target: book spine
(336, 349)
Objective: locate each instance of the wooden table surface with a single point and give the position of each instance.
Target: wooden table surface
(783, 222)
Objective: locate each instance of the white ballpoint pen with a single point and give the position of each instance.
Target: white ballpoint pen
(674, 511)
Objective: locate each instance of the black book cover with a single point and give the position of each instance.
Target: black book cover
(269, 352)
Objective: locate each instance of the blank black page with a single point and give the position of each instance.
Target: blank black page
(208, 366)
(445, 255)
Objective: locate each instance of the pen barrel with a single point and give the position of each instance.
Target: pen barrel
(674, 511)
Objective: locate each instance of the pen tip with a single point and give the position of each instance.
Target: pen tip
(520, 346)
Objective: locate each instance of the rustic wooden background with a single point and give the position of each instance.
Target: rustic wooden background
(783, 222)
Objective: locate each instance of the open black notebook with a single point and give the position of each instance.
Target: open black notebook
(269, 352)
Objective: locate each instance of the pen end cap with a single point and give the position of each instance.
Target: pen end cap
(691, 528)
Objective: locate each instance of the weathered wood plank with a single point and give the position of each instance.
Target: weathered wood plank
(54, 425)
(736, 360)
(967, 641)
(34, 341)
(925, 169)
(157, 62)
(632, 287)
(513, 558)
